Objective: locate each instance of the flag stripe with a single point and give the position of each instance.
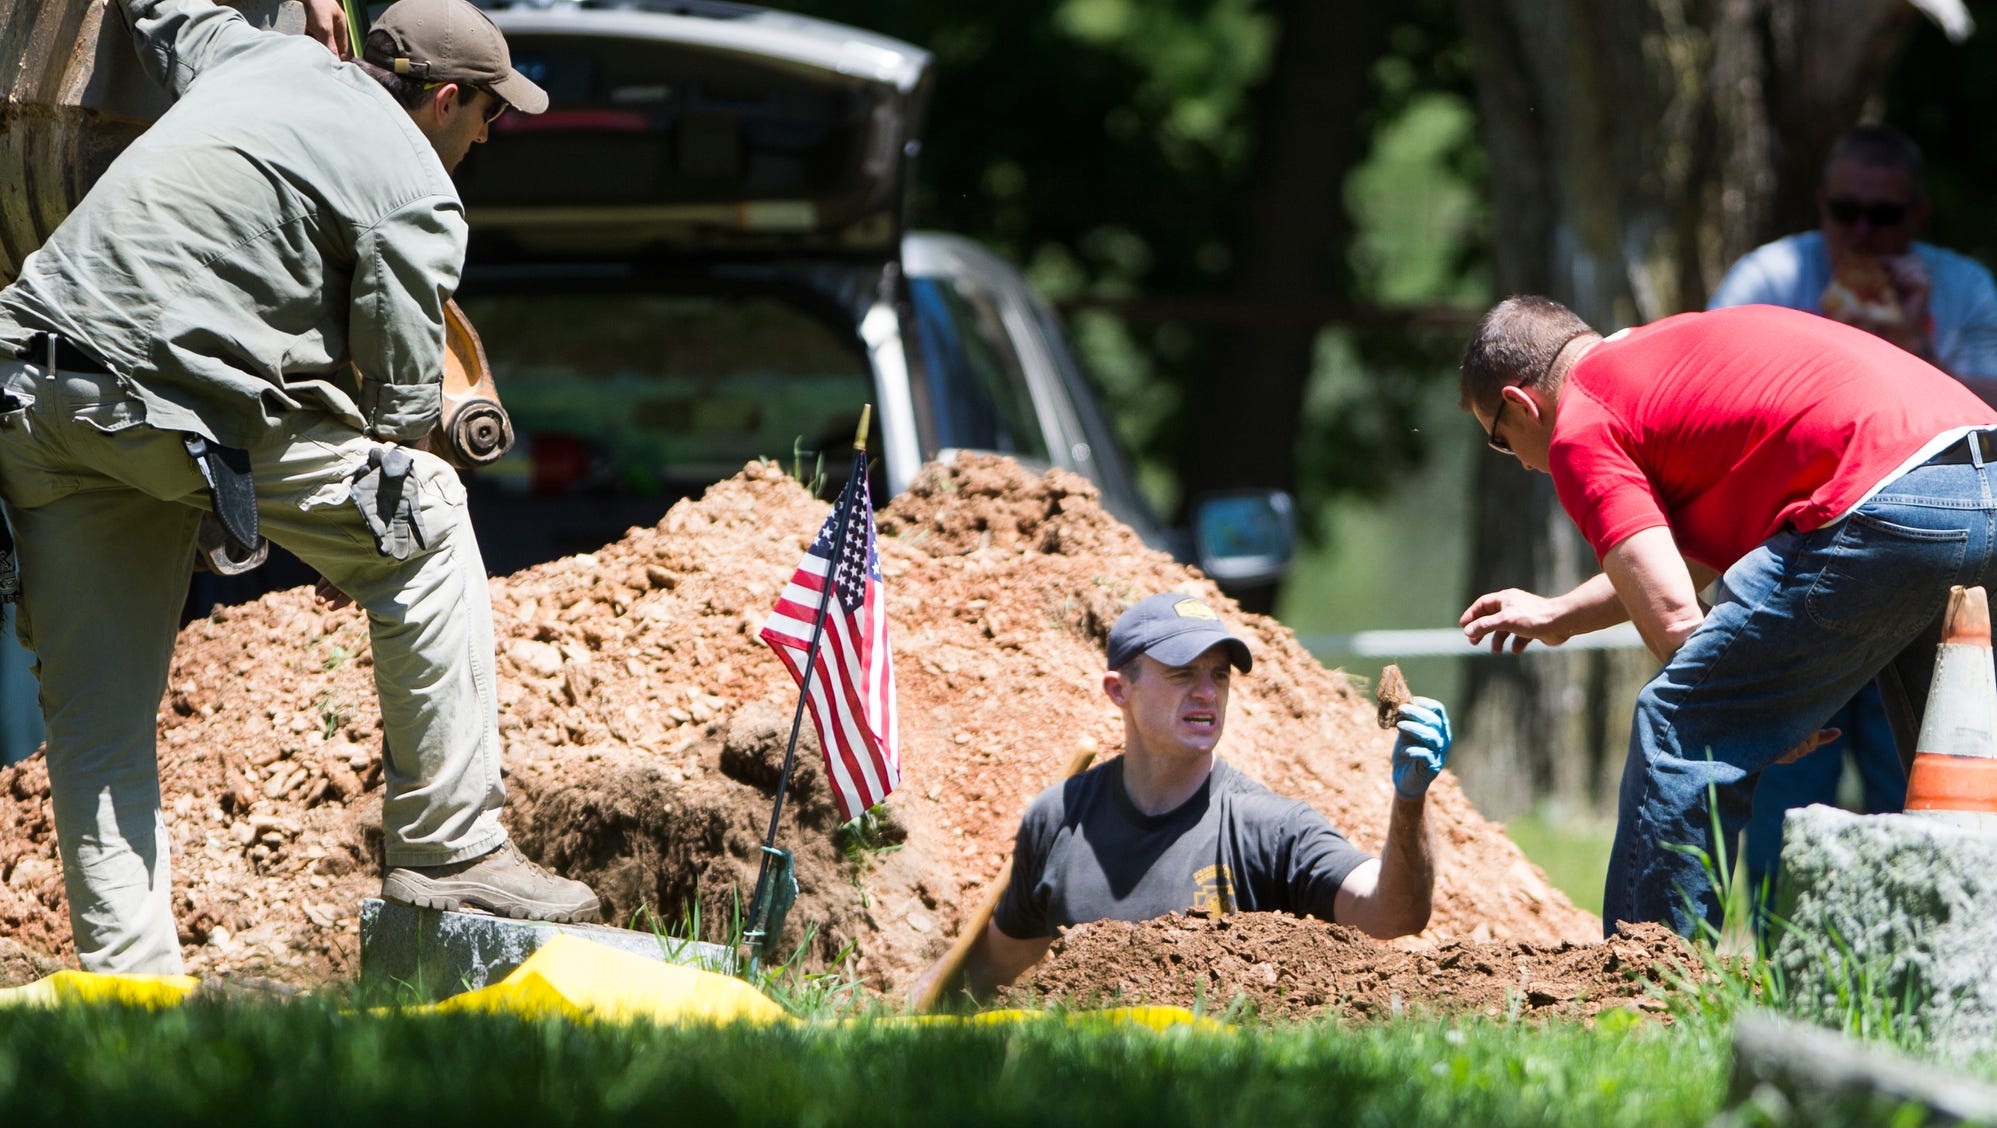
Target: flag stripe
(834, 698)
(851, 697)
(852, 794)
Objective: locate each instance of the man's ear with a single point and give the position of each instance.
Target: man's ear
(1531, 401)
(442, 101)
(1113, 688)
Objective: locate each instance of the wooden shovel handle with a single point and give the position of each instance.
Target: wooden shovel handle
(952, 964)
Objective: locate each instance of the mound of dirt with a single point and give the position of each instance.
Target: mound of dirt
(645, 726)
(1294, 969)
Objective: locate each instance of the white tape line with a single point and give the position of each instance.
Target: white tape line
(1448, 642)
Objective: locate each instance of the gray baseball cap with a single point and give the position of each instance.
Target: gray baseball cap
(452, 41)
(1173, 629)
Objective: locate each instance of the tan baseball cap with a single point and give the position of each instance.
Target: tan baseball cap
(452, 41)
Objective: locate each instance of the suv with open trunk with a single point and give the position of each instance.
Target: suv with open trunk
(698, 256)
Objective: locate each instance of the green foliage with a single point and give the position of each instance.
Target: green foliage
(332, 714)
(1122, 176)
(834, 990)
(1940, 93)
(1866, 1000)
(1420, 221)
(801, 457)
(873, 832)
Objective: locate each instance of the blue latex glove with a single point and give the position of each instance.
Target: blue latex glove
(1422, 748)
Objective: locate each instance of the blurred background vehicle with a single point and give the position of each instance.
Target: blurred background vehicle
(698, 256)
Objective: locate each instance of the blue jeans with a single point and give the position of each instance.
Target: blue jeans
(1869, 743)
(1799, 626)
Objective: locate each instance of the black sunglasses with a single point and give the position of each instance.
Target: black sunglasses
(499, 107)
(1849, 212)
(1491, 438)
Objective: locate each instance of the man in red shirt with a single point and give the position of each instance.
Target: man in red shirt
(1835, 485)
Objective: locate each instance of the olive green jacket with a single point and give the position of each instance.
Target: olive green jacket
(284, 217)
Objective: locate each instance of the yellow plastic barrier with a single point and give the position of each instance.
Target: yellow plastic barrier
(1156, 1018)
(94, 987)
(570, 977)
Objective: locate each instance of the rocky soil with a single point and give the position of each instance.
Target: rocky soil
(645, 724)
(1285, 968)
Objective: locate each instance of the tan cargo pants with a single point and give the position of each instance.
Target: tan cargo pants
(105, 510)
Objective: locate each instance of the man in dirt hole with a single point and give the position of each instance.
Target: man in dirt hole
(244, 321)
(1169, 827)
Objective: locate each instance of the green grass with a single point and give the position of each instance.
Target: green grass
(1573, 850)
(305, 1063)
(314, 1061)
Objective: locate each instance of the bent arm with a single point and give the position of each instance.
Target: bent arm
(177, 39)
(997, 959)
(1520, 617)
(405, 267)
(1657, 587)
(1393, 895)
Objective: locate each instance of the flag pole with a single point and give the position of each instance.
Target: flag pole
(764, 909)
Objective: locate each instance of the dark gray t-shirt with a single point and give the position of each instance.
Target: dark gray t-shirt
(1085, 852)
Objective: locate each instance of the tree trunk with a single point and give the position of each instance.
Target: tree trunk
(1636, 148)
(1290, 235)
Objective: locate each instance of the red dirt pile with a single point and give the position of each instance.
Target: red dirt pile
(1288, 968)
(645, 724)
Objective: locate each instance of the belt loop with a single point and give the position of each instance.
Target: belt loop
(1976, 449)
(51, 339)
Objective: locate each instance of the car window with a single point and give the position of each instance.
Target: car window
(664, 394)
(1102, 459)
(981, 395)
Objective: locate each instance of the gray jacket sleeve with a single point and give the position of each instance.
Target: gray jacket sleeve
(405, 267)
(178, 39)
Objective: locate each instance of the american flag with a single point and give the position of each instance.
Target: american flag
(852, 693)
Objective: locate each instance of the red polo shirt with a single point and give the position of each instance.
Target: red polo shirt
(1729, 424)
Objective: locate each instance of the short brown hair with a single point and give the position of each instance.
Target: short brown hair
(407, 92)
(1881, 146)
(1516, 343)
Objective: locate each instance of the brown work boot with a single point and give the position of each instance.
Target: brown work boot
(503, 883)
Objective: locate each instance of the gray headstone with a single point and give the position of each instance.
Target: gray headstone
(438, 954)
(1787, 1073)
(1895, 915)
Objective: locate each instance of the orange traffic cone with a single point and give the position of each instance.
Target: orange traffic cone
(1955, 762)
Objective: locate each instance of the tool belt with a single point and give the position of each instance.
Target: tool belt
(55, 351)
(52, 351)
(239, 545)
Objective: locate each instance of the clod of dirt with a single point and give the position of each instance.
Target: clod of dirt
(644, 724)
(1291, 968)
(1391, 694)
